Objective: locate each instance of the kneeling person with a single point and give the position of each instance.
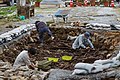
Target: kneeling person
(23, 59)
(82, 41)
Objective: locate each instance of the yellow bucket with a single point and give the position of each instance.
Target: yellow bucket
(67, 58)
(53, 59)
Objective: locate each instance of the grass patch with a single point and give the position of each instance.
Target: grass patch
(7, 10)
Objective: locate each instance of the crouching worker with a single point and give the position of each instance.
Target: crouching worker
(42, 28)
(83, 41)
(23, 59)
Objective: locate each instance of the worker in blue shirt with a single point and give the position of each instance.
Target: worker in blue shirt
(83, 41)
(42, 28)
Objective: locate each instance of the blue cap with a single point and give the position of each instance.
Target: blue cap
(87, 34)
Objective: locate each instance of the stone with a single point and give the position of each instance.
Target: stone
(57, 74)
(116, 79)
(7, 66)
(6, 78)
(20, 78)
(13, 77)
(111, 48)
(2, 63)
(24, 68)
(34, 77)
(1, 73)
(108, 55)
(118, 19)
(6, 74)
(104, 52)
(111, 74)
(21, 73)
(27, 73)
(1, 79)
(43, 75)
(117, 75)
(1, 50)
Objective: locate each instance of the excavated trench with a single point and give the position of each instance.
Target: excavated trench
(105, 43)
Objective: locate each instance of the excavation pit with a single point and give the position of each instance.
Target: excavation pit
(105, 43)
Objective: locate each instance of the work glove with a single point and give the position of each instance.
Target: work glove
(52, 37)
(87, 48)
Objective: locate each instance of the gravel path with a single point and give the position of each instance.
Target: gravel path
(104, 15)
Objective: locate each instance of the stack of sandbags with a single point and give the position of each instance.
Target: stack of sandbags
(98, 26)
(108, 63)
(85, 68)
(8, 36)
(97, 66)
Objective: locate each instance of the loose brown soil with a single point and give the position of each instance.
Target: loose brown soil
(104, 42)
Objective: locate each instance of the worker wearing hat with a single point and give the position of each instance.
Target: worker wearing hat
(83, 41)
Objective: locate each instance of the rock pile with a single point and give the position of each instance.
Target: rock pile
(23, 73)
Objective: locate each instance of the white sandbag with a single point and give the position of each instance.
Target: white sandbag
(105, 66)
(100, 25)
(115, 63)
(79, 71)
(103, 61)
(117, 57)
(85, 66)
(97, 69)
(114, 58)
(8, 36)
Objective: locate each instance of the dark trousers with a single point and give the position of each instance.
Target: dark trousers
(41, 33)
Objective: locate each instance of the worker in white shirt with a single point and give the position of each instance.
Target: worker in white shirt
(24, 59)
(83, 41)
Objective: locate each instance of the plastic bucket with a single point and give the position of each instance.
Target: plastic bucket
(22, 17)
(53, 59)
(67, 58)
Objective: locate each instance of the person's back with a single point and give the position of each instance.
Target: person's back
(42, 28)
(76, 42)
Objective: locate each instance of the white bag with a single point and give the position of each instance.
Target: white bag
(115, 63)
(103, 61)
(97, 69)
(105, 66)
(117, 57)
(79, 71)
(84, 66)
